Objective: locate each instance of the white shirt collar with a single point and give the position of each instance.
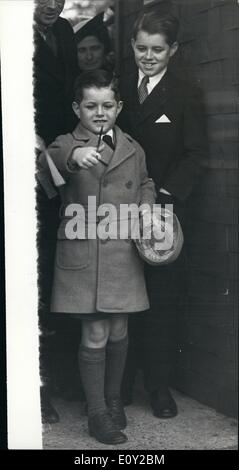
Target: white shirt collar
(111, 134)
(153, 81)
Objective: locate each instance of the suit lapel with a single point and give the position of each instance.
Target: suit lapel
(63, 52)
(45, 57)
(130, 93)
(155, 100)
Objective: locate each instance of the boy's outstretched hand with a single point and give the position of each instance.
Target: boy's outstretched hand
(87, 157)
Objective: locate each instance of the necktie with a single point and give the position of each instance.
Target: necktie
(108, 140)
(143, 90)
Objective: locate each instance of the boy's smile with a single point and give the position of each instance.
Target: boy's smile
(152, 52)
(98, 108)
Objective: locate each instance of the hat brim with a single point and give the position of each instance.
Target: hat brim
(150, 250)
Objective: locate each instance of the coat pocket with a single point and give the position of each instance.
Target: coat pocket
(72, 254)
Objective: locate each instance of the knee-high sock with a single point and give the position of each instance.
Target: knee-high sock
(116, 353)
(92, 371)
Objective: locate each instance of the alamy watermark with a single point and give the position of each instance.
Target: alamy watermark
(127, 221)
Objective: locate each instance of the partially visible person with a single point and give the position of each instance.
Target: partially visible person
(165, 115)
(100, 281)
(94, 47)
(55, 69)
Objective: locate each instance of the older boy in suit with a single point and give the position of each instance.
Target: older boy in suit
(164, 114)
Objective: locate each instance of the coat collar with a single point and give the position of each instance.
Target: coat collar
(123, 150)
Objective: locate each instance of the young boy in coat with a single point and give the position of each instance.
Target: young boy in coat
(165, 115)
(99, 280)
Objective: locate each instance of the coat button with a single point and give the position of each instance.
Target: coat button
(105, 184)
(129, 184)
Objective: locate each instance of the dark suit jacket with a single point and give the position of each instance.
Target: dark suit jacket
(176, 151)
(53, 82)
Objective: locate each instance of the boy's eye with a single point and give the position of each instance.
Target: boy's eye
(94, 106)
(108, 106)
(154, 49)
(141, 48)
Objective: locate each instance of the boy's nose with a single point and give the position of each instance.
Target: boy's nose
(148, 54)
(100, 111)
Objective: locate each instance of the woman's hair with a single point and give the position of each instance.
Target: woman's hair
(96, 28)
(156, 23)
(97, 79)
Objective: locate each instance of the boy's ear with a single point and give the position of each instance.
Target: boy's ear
(119, 107)
(173, 48)
(133, 43)
(76, 108)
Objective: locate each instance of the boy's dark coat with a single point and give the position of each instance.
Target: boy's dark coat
(175, 151)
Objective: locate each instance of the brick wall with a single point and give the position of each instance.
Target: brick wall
(207, 358)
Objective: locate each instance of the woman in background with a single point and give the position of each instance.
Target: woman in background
(94, 48)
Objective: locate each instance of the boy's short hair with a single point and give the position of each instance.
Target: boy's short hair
(98, 79)
(156, 23)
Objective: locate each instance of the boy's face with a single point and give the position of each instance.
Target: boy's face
(152, 52)
(98, 108)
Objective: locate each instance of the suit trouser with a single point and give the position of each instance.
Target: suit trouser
(47, 211)
(153, 334)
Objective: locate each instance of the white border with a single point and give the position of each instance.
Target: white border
(24, 423)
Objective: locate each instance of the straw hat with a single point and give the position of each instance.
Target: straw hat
(156, 251)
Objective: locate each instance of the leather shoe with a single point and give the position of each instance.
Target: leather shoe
(116, 410)
(48, 412)
(163, 404)
(102, 428)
